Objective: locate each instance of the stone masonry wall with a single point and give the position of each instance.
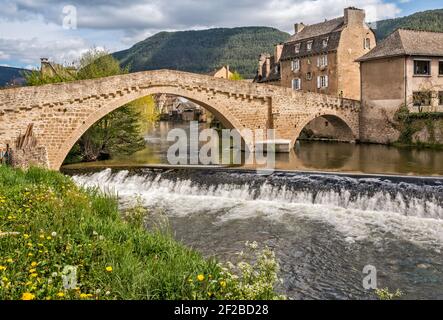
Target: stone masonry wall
(61, 113)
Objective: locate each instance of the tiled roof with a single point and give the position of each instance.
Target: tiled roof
(319, 29)
(317, 46)
(403, 42)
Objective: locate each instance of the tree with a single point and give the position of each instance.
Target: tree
(117, 133)
(236, 76)
(146, 107)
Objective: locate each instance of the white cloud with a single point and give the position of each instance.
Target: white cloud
(33, 28)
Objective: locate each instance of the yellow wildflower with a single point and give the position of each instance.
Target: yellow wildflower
(2, 268)
(30, 254)
(33, 264)
(26, 236)
(48, 238)
(200, 277)
(109, 269)
(60, 294)
(28, 296)
(32, 271)
(83, 296)
(34, 275)
(223, 284)
(4, 279)
(9, 260)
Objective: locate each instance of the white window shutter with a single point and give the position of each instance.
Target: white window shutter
(299, 84)
(327, 81)
(318, 61)
(318, 82)
(326, 60)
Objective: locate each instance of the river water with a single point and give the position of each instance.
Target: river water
(325, 228)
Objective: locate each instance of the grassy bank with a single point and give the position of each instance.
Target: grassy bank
(47, 224)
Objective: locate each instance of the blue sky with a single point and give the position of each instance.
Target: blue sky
(31, 29)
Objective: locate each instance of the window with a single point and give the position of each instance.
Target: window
(322, 61)
(309, 45)
(422, 98)
(308, 61)
(325, 42)
(440, 98)
(422, 67)
(295, 65)
(297, 48)
(367, 44)
(309, 76)
(296, 84)
(322, 82)
(440, 68)
(277, 69)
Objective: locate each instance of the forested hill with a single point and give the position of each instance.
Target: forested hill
(427, 20)
(203, 51)
(10, 75)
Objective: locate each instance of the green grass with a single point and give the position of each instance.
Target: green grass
(48, 223)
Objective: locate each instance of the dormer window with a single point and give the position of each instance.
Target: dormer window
(297, 48)
(325, 42)
(309, 45)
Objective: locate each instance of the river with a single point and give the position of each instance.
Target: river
(325, 228)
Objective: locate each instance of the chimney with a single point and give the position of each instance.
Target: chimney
(298, 27)
(268, 65)
(278, 52)
(261, 64)
(354, 16)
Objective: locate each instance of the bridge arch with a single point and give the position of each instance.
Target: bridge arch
(342, 128)
(218, 110)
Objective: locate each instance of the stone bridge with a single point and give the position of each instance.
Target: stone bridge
(61, 113)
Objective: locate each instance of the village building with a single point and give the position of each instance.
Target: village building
(322, 57)
(406, 69)
(222, 73)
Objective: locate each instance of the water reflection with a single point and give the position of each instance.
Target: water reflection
(362, 158)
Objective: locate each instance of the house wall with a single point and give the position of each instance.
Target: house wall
(434, 83)
(383, 92)
(351, 48)
(287, 75)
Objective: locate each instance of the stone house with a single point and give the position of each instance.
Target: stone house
(321, 57)
(405, 69)
(222, 73)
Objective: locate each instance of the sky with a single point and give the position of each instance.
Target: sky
(63, 31)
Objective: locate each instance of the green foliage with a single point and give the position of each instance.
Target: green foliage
(98, 64)
(117, 133)
(236, 76)
(385, 294)
(48, 223)
(146, 107)
(203, 51)
(431, 20)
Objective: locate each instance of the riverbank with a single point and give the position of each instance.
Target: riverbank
(51, 229)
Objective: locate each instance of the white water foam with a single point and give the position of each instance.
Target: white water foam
(362, 218)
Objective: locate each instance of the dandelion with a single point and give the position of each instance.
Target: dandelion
(54, 234)
(48, 238)
(109, 269)
(32, 271)
(83, 295)
(54, 274)
(98, 291)
(33, 264)
(223, 284)
(30, 254)
(60, 294)
(2, 268)
(34, 275)
(10, 260)
(28, 296)
(4, 279)
(26, 236)
(200, 277)
(107, 293)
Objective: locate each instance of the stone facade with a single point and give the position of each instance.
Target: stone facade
(324, 55)
(61, 113)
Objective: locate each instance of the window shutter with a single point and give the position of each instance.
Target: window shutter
(299, 84)
(318, 82)
(327, 81)
(318, 61)
(326, 60)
